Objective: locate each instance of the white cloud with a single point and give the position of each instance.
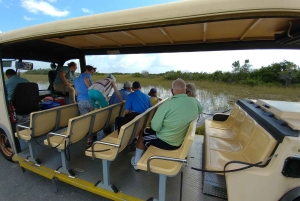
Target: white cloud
(85, 10)
(28, 18)
(35, 6)
(52, 1)
(192, 62)
(0, 31)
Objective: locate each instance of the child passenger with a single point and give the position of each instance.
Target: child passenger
(153, 96)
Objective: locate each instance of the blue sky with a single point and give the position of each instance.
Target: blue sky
(17, 14)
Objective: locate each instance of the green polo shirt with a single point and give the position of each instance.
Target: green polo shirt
(173, 117)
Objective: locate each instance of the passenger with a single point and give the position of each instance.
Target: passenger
(127, 89)
(170, 122)
(12, 82)
(191, 90)
(136, 103)
(82, 83)
(153, 96)
(64, 80)
(99, 91)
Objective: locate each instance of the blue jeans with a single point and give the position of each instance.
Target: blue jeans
(96, 95)
(85, 106)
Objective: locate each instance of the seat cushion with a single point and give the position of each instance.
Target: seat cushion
(216, 132)
(24, 134)
(217, 124)
(158, 166)
(57, 141)
(109, 155)
(225, 145)
(217, 159)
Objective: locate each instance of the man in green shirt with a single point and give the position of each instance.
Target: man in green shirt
(170, 122)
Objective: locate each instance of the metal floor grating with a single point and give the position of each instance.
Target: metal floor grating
(125, 178)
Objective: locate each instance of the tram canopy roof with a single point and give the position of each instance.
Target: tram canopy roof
(200, 25)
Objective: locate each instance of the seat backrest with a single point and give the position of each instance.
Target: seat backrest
(188, 140)
(153, 110)
(42, 122)
(141, 124)
(78, 127)
(261, 145)
(245, 131)
(65, 113)
(232, 115)
(238, 121)
(99, 118)
(51, 77)
(26, 98)
(115, 112)
(126, 132)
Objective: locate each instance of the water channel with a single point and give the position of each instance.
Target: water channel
(211, 103)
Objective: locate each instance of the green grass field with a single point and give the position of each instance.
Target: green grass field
(237, 90)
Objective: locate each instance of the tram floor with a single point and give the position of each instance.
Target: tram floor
(125, 178)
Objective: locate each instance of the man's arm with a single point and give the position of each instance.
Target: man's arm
(63, 78)
(117, 91)
(158, 118)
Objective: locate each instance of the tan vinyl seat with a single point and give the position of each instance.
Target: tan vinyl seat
(164, 160)
(235, 144)
(41, 122)
(226, 133)
(78, 128)
(114, 143)
(224, 124)
(65, 113)
(259, 147)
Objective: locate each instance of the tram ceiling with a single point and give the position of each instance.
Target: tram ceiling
(255, 33)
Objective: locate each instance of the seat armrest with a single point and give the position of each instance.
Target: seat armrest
(163, 158)
(55, 134)
(101, 142)
(21, 126)
(220, 117)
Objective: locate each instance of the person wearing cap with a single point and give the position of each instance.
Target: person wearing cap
(153, 96)
(137, 102)
(100, 89)
(82, 83)
(64, 80)
(124, 93)
(170, 123)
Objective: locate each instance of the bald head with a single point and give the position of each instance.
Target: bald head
(178, 86)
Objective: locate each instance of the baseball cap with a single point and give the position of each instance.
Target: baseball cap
(89, 68)
(136, 85)
(112, 77)
(127, 84)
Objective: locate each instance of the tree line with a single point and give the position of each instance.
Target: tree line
(283, 73)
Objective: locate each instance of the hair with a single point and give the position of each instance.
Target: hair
(10, 72)
(72, 63)
(152, 94)
(89, 68)
(192, 88)
(178, 85)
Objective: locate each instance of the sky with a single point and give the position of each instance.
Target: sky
(16, 14)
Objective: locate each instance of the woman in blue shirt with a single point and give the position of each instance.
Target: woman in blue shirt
(82, 83)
